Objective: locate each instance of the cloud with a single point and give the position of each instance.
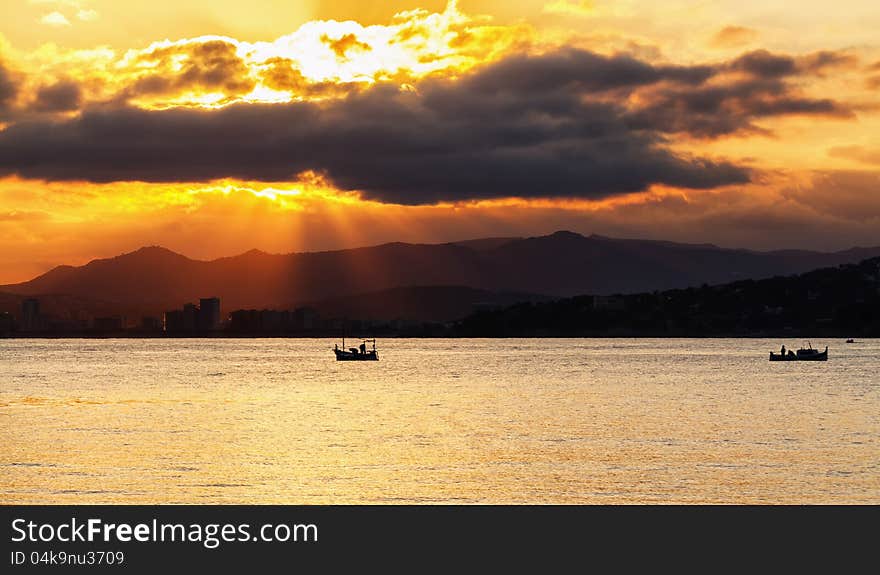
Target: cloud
(819, 63)
(345, 43)
(87, 14)
(498, 132)
(853, 196)
(56, 19)
(575, 69)
(701, 100)
(569, 123)
(281, 74)
(59, 97)
(220, 70)
(324, 59)
(755, 85)
(18, 102)
(765, 64)
(715, 111)
(83, 12)
(8, 90)
(733, 37)
(211, 66)
(860, 154)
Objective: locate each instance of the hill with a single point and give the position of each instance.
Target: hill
(842, 301)
(153, 279)
(420, 303)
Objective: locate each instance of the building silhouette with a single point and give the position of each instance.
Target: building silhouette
(209, 314)
(173, 321)
(7, 323)
(150, 323)
(273, 321)
(304, 318)
(110, 323)
(192, 318)
(30, 314)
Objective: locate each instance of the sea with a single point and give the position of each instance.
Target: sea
(438, 421)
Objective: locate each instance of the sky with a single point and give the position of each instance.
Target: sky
(216, 127)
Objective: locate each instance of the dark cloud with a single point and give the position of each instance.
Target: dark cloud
(394, 146)
(700, 100)
(727, 108)
(555, 125)
(764, 64)
(59, 97)
(8, 90)
(582, 70)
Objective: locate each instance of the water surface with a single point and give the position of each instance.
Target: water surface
(437, 421)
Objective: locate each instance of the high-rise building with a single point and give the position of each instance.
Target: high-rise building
(30, 314)
(7, 323)
(209, 314)
(190, 317)
(173, 321)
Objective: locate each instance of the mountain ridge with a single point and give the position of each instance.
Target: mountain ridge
(153, 279)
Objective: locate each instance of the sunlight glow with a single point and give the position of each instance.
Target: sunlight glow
(212, 71)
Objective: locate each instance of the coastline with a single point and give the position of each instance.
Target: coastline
(763, 335)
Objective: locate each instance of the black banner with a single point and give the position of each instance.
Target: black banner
(224, 538)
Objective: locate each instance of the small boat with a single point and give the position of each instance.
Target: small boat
(850, 340)
(360, 353)
(803, 354)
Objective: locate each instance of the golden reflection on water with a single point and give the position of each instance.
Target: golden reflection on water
(436, 421)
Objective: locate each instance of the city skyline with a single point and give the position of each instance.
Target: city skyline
(835, 301)
(154, 290)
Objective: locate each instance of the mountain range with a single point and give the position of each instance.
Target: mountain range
(390, 280)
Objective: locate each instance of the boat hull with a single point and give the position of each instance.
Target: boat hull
(821, 356)
(349, 356)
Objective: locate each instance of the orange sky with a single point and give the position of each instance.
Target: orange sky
(215, 127)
